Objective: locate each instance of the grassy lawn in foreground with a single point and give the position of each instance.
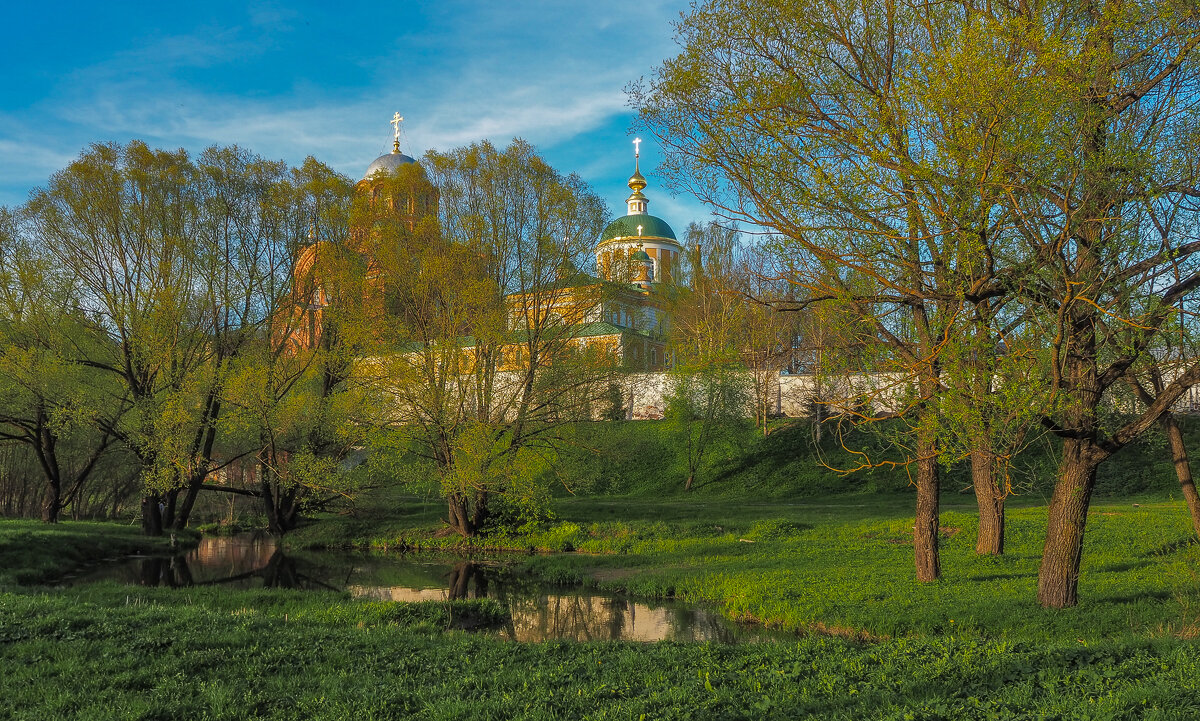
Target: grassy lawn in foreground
(843, 564)
(836, 565)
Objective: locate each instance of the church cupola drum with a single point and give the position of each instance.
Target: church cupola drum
(636, 233)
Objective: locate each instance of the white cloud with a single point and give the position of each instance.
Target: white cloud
(31, 160)
(548, 72)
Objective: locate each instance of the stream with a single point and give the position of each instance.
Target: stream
(539, 611)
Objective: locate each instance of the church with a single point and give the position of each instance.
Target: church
(620, 307)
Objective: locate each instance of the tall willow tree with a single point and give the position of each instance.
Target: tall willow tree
(179, 264)
(489, 361)
(1007, 164)
(294, 408)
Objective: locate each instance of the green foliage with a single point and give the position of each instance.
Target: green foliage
(706, 407)
(185, 268)
(613, 404)
(488, 366)
(643, 459)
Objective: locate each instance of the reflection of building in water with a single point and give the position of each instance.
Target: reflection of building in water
(536, 614)
(585, 617)
(539, 616)
(218, 554)
(397, 593)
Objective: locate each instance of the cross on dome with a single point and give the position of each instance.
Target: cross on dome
(396, 120)
(637, 202)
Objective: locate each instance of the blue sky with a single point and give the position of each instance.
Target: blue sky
(289, 80)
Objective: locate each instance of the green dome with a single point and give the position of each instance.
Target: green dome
(627, 227)
(640, 254)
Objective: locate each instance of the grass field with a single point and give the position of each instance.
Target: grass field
(871, 643)
(843, 565)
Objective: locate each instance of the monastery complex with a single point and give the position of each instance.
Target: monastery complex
(618, 307)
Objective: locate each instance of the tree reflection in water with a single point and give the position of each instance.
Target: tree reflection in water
(280, 571)
(538, 612)
(172, 571)
(460, 579)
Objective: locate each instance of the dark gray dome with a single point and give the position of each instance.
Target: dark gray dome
(387, 163)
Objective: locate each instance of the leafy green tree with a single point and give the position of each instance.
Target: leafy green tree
(1106, 182)
(803, 118)
(179, 265)
(962, 159)
(706, 409)
(295, 394)
(770, 340)
(709, 392)
(47, 403)
(490, 361)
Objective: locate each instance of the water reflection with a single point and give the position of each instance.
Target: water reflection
(538, 611)
(246, 561)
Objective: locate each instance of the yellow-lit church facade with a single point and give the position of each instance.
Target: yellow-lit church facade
(620, 309)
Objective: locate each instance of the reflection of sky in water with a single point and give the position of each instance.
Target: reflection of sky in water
(539, 611)
(584, 616)
(377, 593)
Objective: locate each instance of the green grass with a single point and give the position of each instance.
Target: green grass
(873, 644)
(641, 459)
(845, 569)
(112, 652)
(843, 565)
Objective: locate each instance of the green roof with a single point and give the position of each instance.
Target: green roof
(626, 226)
(599, 327)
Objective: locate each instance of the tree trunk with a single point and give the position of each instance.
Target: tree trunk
(289, 512)
(52, 503)
(204, 452)
(280, 504)
(190, 493)
(687, 486)
(925, 528)
(457, 515)
(169, 498)
(151, 515)
(482, 511)
(990, 498)
(1183, 469)
(1058, 578)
